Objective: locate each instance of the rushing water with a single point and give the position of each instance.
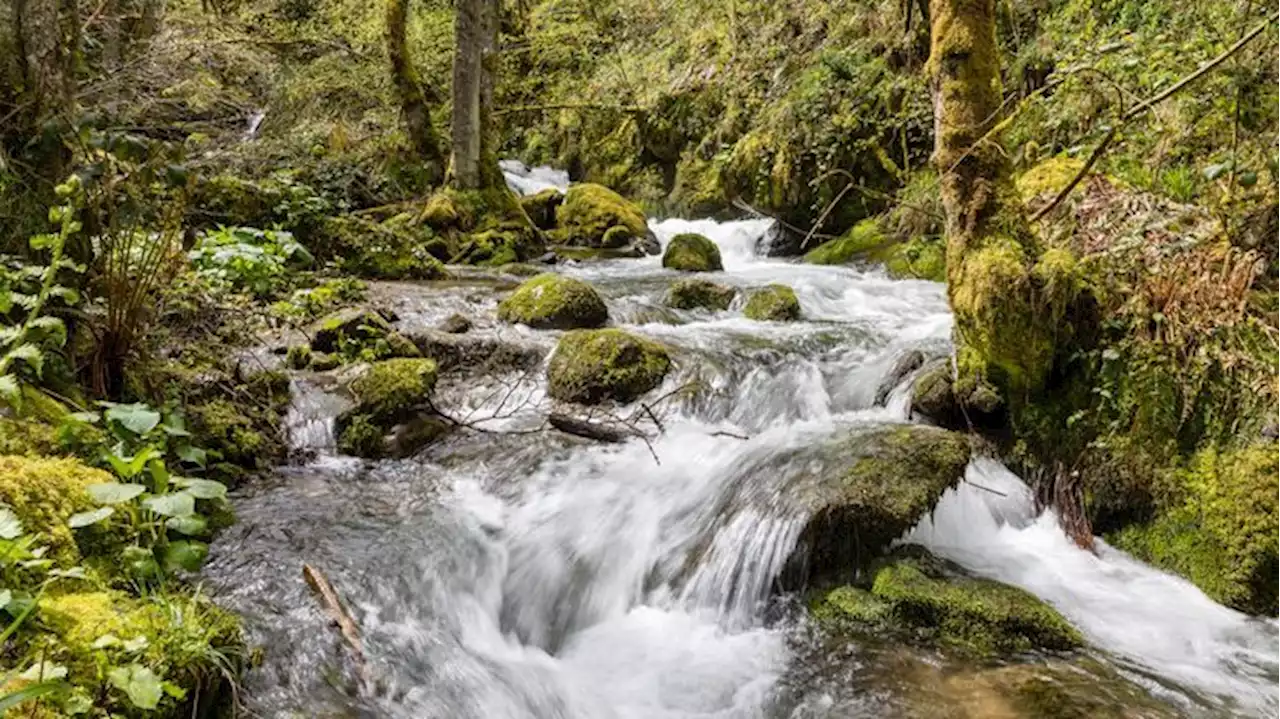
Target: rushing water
(506, 574)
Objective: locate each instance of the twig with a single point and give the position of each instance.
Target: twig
(649, 411)
(339, 615)
(1146, 105)
(590, 430)
(722, 433)
(985, 488)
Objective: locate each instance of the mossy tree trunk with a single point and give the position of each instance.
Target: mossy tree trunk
(45, 40)
(1003, 324)
(474, 161)
(415, 96)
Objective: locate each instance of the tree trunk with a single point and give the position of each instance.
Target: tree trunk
(415, 99)
(46, 39)
(1004, 336)
(474, 162)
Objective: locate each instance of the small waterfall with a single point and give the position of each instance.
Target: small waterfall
(309, 419)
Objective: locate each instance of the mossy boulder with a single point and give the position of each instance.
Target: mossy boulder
(691, 252)
(692, 293)
(775, 303)
(926, 598)
(541, 207)
(389, 393)
(591, 366)
(551, 301)
(187, 641)
(860, 242)
(590, 212)
(862, 490)
(390, 250)
(359, 333)
(43, 494)
(1219, 530)
(935, 396)
(912, 257)
(482, 227)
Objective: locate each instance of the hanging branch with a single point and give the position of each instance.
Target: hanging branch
(1146, 105)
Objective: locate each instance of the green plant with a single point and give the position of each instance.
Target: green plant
(249, 260)
(315, 301)
(35, 333)
(162, 510)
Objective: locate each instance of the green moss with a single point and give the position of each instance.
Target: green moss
(298, 357)
(591, 366)
(519, 269)
(393, 387)
(1220, 530)
(360, 436)
(187, 641)
(391, 250)
(691, 252)
(929, 600)
(360, 334)
(44, 493)
(221, 426)
(616, 237)
(1048, 177)
(551, 301)
(486, 227)
(589, 211)
(862, 241)
(921, 258)
(694, 293)
(775, 303)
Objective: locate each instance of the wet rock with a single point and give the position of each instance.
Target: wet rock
(475, 354)
(924, 597)
(862, 491)
(904, 365)
(541, 207)
(591, 366)
(551, 301)
(455, 324)
(592, 214)
(775, 303)
(520, 269)
(324, 361)
(696, 293)
(408, 438)
(548, 258)
(387, 394)
(934, 397)
(350, 322)
(691, 252)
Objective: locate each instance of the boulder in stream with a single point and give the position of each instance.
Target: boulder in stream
(917, 594)
(933, 396)
(541, 207)
(362, 332)
(592, 215)
(551, 301)
(696, 293)
(592, 366)
(775, 303)
(691, 252)
(388, 394)
(863, 490)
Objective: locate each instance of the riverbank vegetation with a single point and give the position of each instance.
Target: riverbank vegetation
(183, 184)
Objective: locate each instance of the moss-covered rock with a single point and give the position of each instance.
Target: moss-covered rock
(43, 493)
(551, 301)
(861, 241)
(389, 393)
(590, 211)
(775, 303)
(541, 207)
(1221, 531)
(929, 599)
(391, 250)
(691, 252)
(187, 641)
(692, 293)
(484, 227)
(357, 333)
(863, 490)
(592, 366)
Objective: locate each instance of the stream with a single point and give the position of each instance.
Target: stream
(507, 574)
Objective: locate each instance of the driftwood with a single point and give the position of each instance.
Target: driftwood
(590, 430)
(338, 614)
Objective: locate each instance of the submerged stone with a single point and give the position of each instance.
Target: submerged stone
(691, 252)
(551, 301)
(863, 490)
(694, 293)
(592, 366)
(775, 303)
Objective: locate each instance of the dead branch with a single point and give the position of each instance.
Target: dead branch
(629, 109)
(1146, 105)
(591, 430)
(338, 614)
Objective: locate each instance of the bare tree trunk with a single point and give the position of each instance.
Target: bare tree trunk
(46, 38)
(467, 92)
(415, 96)
(1004, 338)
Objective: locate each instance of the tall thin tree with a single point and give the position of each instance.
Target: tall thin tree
(416, 97)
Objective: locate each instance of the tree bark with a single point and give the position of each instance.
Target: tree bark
(474, 162)
(1004, 337)
(415, 97)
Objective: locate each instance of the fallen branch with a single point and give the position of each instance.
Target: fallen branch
(590, 430)
(338, 615)
(1144, 106)
(630, 109)
(734, 435)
